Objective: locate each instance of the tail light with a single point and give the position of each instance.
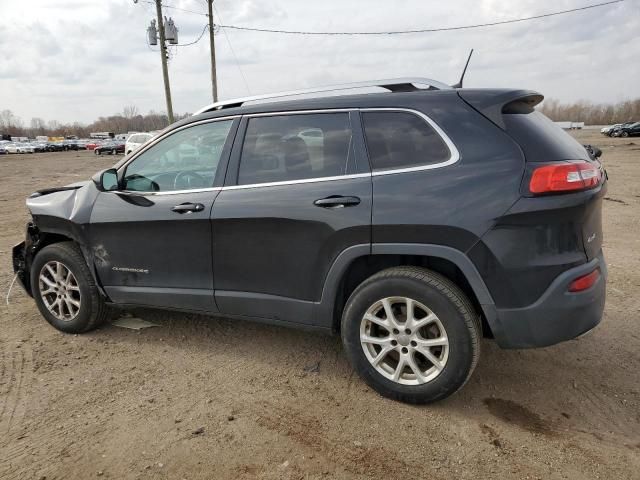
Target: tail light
(564, 177)
(584, 282)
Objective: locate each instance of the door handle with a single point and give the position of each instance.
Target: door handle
(337, 201)
(188, 207)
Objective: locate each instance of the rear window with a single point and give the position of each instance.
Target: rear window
(402, 140)
(541, 140)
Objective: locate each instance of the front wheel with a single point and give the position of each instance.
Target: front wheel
(624, 134)
(97, 152)
(411, 334)
(64, 290)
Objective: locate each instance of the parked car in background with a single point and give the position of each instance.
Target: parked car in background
(39, 147)
(18, 148)
(627, 130)
(55, 147)
(92, 144)
(609, 131)
(136, 140)
(110, 148)
(410, 223)
(69, 145)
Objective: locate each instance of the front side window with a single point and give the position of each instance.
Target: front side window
(185, 160)
(295, 147)
(402, 140)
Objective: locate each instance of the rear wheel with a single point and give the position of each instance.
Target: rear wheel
(624, 134)
(113, 152)
(411, 334)
(65, 291)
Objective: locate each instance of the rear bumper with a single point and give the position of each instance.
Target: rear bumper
(558, 315)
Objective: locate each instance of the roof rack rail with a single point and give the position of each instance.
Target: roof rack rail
(392, 84)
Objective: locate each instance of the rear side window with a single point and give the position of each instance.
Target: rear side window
(541, 140)
(402, 140)
(295, 147)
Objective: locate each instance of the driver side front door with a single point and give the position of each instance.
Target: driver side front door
(151, 239)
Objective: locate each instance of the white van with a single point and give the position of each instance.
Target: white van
(135, 140)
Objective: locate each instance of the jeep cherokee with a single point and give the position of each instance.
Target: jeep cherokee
(412, 222)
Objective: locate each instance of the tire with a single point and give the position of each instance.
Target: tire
(97, 152)
(456, 322)
(624, 134)
(91, 310)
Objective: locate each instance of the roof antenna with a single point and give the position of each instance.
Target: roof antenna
(459, 84)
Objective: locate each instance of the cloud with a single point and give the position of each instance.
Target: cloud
(78, 60)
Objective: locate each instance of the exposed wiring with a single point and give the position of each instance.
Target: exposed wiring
(10, 288)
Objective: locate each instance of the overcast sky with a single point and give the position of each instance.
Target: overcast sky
(76, 60)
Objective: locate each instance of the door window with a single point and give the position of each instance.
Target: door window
(402, 140)
(185, 160)
(295, 147)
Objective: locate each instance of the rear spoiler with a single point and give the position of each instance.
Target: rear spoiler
(493, 103)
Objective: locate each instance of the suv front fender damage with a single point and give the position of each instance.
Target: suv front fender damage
(60, 214)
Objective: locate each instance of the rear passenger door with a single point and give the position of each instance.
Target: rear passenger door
(297, 193)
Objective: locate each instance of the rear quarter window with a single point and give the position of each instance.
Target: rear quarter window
(542, 140)
(402, 140)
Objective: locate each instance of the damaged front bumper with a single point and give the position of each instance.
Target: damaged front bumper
(23, 254)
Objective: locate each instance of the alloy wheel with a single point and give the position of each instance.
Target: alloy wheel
(59, 291)
(404, 340)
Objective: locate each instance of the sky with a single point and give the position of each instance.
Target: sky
(77, 60)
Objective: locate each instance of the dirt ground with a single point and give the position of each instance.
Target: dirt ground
(201, 397)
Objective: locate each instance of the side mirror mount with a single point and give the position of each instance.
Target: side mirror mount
(106, 180)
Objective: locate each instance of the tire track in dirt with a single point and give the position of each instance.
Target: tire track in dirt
(17, 378)
(312, 433)
(16, 381)
(605, 415)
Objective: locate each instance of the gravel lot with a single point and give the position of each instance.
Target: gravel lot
(202, 397)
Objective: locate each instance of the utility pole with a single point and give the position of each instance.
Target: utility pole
(214, 79)
(164, 55)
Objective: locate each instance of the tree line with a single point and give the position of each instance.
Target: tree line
(130, 120)
(592, 113)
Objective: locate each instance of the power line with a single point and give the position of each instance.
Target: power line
(176, 8)
(399, 32)
(246, 85)
(195, 41)
(426, 30)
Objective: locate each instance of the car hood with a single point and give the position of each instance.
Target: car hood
(71, 202)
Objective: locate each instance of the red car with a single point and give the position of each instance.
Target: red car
(92, 145)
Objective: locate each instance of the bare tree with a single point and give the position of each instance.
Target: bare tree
(130, 111)
(37, 126)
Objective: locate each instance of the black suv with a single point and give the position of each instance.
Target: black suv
(627, 130)
(412, 222)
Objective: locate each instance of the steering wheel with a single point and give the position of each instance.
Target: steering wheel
(190, 179)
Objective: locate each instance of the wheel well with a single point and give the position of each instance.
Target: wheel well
(364, 267)
(45, 239)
